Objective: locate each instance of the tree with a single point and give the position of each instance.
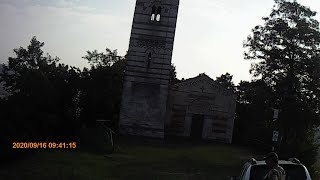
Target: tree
(173, 75)
(102, 86)
(41, 92)
(252, 114)
(96, 59)
(226, 81)
(286, 57)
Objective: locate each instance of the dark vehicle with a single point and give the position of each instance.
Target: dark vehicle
(256, 170)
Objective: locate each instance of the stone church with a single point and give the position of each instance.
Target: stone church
(198, 107)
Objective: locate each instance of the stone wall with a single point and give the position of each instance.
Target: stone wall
(202, 96)
(146, 80)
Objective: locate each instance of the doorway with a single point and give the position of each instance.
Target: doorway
(197, 126)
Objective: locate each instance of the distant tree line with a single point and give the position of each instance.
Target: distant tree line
(49, 99)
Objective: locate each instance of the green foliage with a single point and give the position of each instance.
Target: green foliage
(96, 59)
(41, 95)
(253, 114)
(286, 56)
(287, 50)
(173, 75)
(101, 87)
(226, 81)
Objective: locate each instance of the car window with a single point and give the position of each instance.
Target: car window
(258, 172)
(293, 172)
(243, 171)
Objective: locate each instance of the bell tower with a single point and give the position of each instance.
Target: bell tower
(146, 78)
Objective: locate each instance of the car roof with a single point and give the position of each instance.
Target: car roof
(281, 162)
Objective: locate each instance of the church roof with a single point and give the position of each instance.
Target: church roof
(201, 77)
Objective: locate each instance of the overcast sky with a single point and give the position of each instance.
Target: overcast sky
(209, 33)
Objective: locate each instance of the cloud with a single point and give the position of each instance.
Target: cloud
(64, 3)
(24, 4)
(18, 3)
(67, 30)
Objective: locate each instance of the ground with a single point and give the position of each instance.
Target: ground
(134, 160)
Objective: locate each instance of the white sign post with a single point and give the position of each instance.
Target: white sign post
(275, 136)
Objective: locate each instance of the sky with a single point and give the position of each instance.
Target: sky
(209, 35)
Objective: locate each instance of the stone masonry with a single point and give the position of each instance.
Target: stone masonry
(146, 79)
(200, 107)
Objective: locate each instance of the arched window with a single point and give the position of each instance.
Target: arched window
(158, 14)
(153, 13)
(149, 60)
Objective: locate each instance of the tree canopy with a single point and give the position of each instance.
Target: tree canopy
(102, 86)
(41, 94)
(285, 55)
(226, 81)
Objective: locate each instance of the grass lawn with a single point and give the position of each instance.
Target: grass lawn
(133, 160)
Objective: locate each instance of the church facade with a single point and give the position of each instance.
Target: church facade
(197, 107)
(201, 108)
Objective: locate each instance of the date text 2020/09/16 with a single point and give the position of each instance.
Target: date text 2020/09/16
(44, 145)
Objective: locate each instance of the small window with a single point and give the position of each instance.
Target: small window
(158, 17)
(158, 14)
(153, 13)
(153, 17)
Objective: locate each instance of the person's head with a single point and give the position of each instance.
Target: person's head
(271, 159)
